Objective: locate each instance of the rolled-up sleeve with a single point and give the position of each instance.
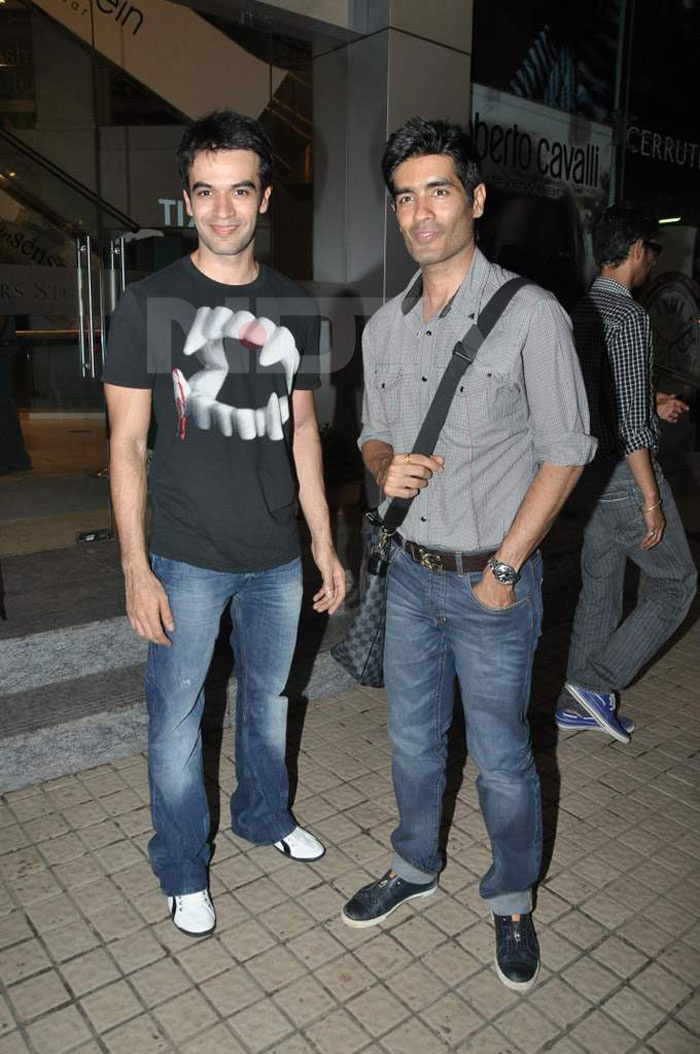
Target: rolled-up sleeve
(374, 423)
(628, 355)
(557, 404)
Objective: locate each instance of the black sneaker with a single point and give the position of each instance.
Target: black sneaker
(375, 902)
(517, 952)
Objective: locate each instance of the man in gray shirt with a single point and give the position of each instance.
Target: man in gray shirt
(464, 595)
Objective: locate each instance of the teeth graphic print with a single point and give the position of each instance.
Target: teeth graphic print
(197, 398)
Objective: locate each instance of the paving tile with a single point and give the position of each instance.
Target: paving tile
(636, 1013)
(259, 895)
(418, 935)
(13, 1043)
(139, 1036)
(555, 951)
(644, 935)
(89, 971)
(452, 1019)
(323, 903)
(489, 1041)
(59, 1031)
(13, 837)
(246, 940)
(486, 993)
(451, 916)
(219, 1039)
(160, 981)
(451, 963)
(205, 959)
(567, 1046)
(337, 1033)
(479, 941)
(288, 920)
(383, 955)
(305, 1000)
(22, 960)
(137, 950)
(559, 1002)
(14, 928)
(663, 987)
(619, 956)
(316, 947)
(261, 1025)
(35, 996)
(298, 1044)
(78, 872)
(528, 1028)
(111, 1005)
(275, 968)
(598, 1032)
(377, 1010)
(345, 977)
(674, 1039)
(184, 1016)
(416, 986)
(590, 979)
(86, 815)
(577, 928)
(59, 849)
(23, 862)
(97, 834)
(36, 886)
(690, 1015)
(413, 1037)
(232, 990)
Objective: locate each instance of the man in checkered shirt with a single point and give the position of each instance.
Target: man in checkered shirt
(464, 590)
(629, 508)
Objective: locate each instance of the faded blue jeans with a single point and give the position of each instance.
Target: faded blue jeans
(265, 609)
(436, 629)
(605, 653)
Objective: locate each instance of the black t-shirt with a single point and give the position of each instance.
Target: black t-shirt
(221, 361)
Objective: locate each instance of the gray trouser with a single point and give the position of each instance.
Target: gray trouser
(604, 653)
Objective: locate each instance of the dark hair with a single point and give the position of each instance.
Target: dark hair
(618, 229)
(225, 130)
(419, 137)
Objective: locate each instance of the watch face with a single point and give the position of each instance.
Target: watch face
(673, 303)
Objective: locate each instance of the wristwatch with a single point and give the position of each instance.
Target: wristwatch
(503, 573)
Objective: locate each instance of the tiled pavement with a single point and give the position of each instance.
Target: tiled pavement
(89, 961)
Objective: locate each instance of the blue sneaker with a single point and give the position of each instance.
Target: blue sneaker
(601, 707)
(571, 719)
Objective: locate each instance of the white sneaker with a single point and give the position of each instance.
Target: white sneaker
(300, 845)
(193, 913)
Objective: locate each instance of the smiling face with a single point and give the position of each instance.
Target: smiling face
(435, 215)
(225, 199)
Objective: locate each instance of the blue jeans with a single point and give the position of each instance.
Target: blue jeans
(436, 629)
(606, 654)
(265, 609)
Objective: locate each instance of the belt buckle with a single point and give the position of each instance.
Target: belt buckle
(431, 561)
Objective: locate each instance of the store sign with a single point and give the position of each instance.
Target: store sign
(37, 290)
(174, 214)
(533, 149)
(667, 148)
(160, 44)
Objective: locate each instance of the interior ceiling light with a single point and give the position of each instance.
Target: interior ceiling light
(671, 219)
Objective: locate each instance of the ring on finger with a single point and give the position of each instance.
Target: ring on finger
(407, 458)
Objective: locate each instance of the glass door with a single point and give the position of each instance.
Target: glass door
(54, 301)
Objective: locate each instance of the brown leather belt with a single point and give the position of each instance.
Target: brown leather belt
(444, 559)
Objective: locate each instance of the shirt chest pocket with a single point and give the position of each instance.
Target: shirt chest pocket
(387, 381)
(485, 399)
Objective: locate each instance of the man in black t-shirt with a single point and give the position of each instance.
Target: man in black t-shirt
(224, 350)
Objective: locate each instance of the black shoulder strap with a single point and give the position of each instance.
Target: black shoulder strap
(463, 354)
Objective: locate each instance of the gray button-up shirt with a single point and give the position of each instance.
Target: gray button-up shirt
(521, 402)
